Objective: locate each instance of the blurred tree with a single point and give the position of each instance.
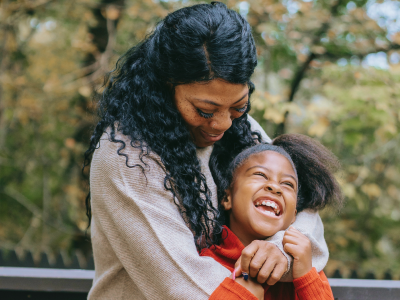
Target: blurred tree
(53, 56)
(311, 78)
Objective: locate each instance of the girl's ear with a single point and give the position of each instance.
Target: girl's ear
(227, 201)
(294, 217)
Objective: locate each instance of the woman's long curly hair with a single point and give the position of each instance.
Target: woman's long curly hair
(194, 44)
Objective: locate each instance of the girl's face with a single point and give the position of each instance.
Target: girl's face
(262, 199)
(209, 108)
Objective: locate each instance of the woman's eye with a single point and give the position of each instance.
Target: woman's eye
(203, 114)
(242, 109)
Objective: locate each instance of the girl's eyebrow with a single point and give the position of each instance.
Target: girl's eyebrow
(262, 167)
(216, 104)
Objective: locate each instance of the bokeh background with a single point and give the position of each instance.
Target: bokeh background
(327, 68)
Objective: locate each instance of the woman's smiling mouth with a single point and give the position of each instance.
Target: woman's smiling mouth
(211, 137)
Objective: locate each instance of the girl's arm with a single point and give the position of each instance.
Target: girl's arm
(232, 290)
(308, 284)
(142, 246)
(313, 286)
(308, 222)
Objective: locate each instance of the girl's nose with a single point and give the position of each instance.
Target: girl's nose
(273, 187)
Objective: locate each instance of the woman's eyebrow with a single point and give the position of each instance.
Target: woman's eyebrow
(216, 104)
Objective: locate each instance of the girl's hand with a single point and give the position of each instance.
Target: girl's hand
(263, 260)
(252, 286)
(299, 246)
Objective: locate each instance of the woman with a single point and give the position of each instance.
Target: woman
(173, 113)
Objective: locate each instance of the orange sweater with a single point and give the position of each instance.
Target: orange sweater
(312, 286)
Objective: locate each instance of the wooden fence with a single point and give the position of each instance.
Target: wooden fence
(61, 261)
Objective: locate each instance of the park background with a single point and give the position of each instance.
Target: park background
(327, 68)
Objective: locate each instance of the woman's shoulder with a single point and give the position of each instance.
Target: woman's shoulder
(257, 127)
(116, 150)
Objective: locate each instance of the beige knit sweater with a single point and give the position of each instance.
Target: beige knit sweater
(142, 246)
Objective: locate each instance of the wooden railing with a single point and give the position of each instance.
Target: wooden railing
(41, 283)
(79, 261)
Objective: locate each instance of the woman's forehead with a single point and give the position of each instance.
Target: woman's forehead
(215, 91)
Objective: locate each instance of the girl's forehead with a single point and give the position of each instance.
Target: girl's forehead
(269, 159)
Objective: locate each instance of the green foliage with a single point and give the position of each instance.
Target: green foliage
(363, 131)
(53, 55)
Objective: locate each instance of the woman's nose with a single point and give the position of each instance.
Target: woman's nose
(222, 123)
(273, 187)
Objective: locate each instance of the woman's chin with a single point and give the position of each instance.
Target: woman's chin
(201, 143)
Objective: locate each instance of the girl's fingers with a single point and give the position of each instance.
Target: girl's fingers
(291, 228)
(293, 232)
(292, 249)
(260, 259)
(266, 271)
(247, 255)
(238, 270)
(277, 273)
(274, 263)
(291, 240)
(264, 257)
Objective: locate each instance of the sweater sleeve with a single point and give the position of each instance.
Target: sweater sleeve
(307, 222)
(313, 286)
(137, 229)
(256, 127)
(231, 290)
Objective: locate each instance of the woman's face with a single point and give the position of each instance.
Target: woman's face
(262, 199)
(209, 108)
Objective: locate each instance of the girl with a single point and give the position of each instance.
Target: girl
(267, 185)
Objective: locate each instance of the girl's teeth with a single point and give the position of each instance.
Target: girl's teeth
(271, 204)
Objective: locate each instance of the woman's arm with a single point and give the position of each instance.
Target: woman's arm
(307, 222)
(142, 246)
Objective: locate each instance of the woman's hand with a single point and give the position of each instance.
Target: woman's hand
(252, 286)
(263, 260)
(299, 246)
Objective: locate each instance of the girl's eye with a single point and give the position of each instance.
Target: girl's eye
(289, 184)
(203, 114)
(242, 109)
(261, 174)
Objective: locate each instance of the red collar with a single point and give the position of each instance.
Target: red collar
(231, 247)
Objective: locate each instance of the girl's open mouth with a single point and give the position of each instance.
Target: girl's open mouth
(268, 207)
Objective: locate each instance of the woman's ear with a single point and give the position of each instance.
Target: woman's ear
(294, 217)
(227, 201)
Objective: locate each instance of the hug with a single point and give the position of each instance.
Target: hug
(179, 168)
